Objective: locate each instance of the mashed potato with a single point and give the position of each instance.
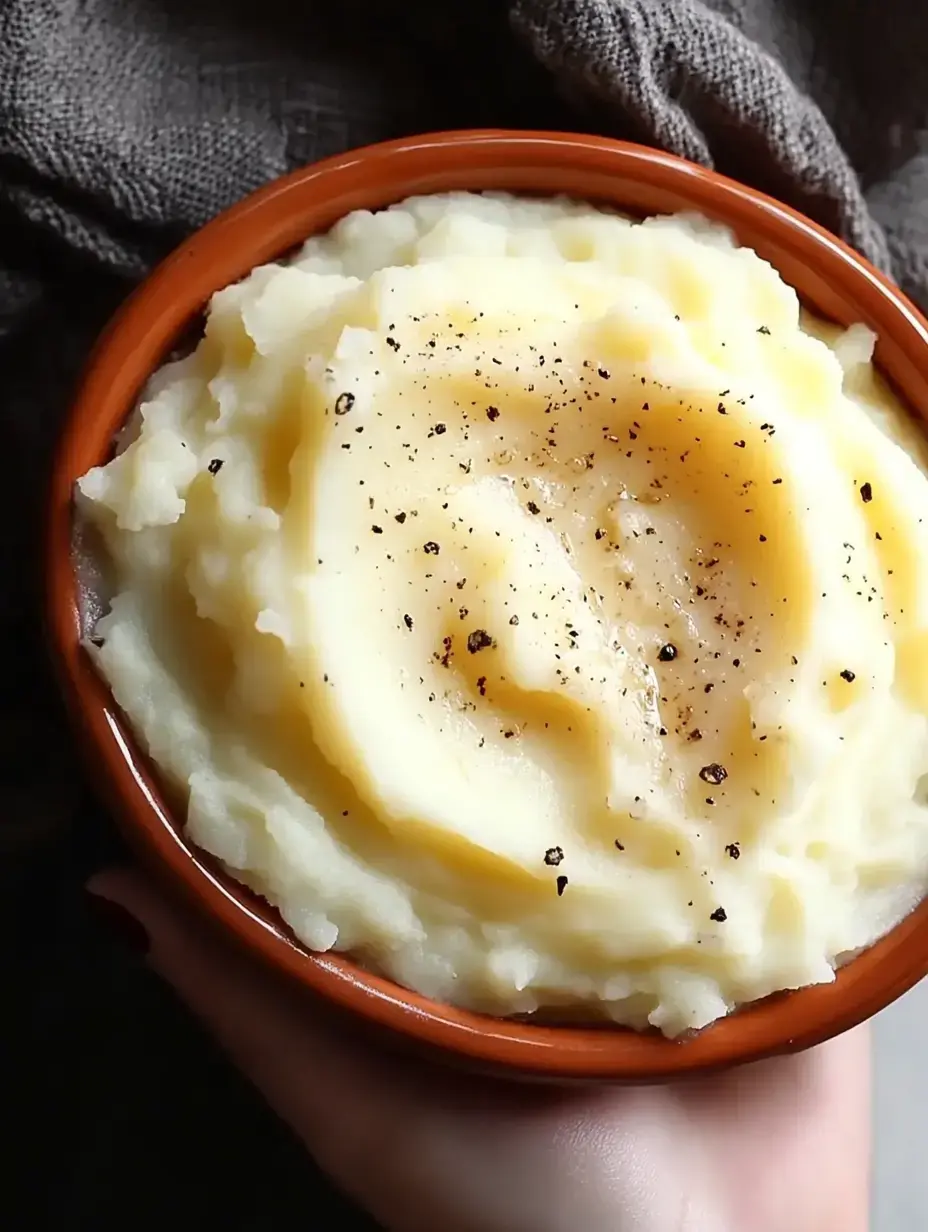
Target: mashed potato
(534, 604)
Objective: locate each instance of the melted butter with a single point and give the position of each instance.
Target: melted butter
(591, 480)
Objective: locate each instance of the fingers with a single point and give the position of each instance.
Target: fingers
(423, 1147)
(418, 1145)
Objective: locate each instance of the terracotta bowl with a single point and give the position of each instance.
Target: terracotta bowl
(831, 279)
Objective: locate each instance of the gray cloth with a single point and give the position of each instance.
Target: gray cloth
(126, 123)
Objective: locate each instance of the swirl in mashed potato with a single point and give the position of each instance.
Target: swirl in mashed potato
(535, 604)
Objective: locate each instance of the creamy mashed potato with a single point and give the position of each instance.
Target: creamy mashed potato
(534, 604)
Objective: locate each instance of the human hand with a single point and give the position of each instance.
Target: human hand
(770, 1147)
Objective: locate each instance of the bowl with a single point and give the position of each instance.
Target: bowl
(830, 278)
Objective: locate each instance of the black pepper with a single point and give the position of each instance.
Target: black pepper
(561, 885)
(667, 653)
(719, 915)
(479, 640)
(848, 675)
(553, 856)
(215, 466)
(344, 403)
(378, 530)
(866, 493)
(408, 621)
(733, 850)
(492, 413)
(533, 508)
(713, 773)
(431, 548)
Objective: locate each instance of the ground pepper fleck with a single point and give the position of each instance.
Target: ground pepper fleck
(553, 856)
(479, 640)
(431, 548)
(733, 850)
(713, 773)
(667, 653)
(561, 885)
(848, 675)
(719, 915)
(866, 493)
(408, 621)
(344, 403)
(215, 466)
(492, 413)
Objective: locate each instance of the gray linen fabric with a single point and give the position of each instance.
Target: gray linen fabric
(126, 123)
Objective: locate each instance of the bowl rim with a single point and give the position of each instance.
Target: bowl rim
(138, 338)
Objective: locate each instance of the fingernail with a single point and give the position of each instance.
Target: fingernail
(120, 924)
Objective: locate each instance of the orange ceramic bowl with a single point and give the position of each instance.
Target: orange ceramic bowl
(831, 279)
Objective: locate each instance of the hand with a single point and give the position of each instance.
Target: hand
(778, 1146)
